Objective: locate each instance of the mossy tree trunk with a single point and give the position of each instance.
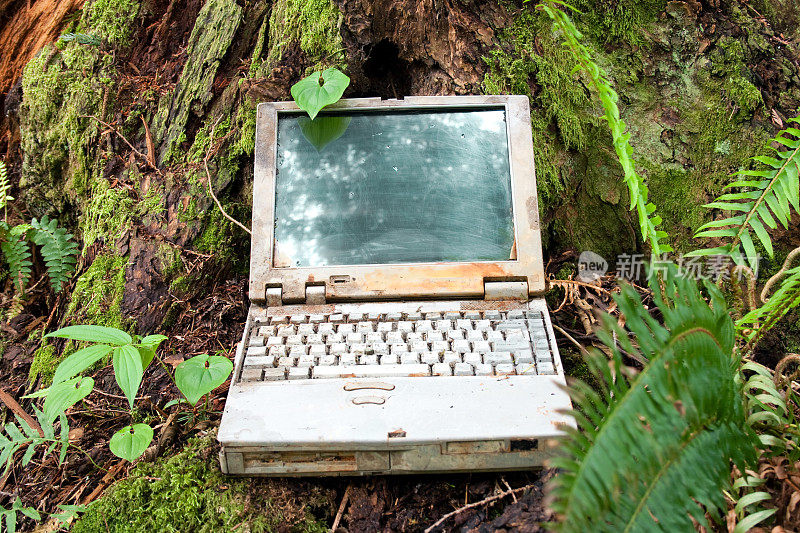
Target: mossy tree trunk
(702, 85)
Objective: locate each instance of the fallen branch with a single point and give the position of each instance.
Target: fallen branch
(342, 507)
(490, 499)
(12, 404)
(211, 188)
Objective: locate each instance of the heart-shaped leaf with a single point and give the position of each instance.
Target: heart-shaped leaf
(202, 374)
(130, 442)
(319, 89)
(93, 334)
(80, 361)
(64, 395)
(323, 130)
(128, 370)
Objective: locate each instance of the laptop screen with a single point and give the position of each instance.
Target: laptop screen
(388, 187)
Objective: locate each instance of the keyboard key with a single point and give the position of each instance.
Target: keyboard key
(275, 341)
(327, 360)
(317, 350)
(546, 368)
(299, 372)
(386, 371)
(256, 341)
(430, 357)
(275, 374)
(261, 361)
(256, 350)
(473, 358)
(305, 329)
(483, 370)
(452, 315)
(462, 369)
(461, 346)
(252, 374)
(316, 319)
(526, 369)
(498, 358)
(523, 356)
(504, 369)
(277, 351)
(347, 359)
(368, 359)
(441, 369)
(409, 358)
(389, 360)
(286, 361)
(305, 361)
(451, 357)
(297, 319)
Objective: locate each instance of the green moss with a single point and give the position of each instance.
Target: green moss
(214, 30)
(45, 360)
(622, 20)
(187, 492)
(60, 87)
(314, 24)
(561, 111)
(680, 197)
(98, 293)
(112, 20)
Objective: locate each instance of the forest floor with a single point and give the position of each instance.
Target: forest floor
(213, 324)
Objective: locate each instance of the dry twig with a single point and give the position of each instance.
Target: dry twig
(134, 150)
(342, 507)
(211, 188)
(12, 404)
(490, 499)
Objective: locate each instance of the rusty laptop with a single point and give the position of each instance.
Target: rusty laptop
(397, 322)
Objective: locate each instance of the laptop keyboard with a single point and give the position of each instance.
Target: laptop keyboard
(457, 343)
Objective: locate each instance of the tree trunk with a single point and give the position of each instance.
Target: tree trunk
(702, 87)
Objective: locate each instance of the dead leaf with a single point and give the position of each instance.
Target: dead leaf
(173, 360)
(75, 434)
(151, 149)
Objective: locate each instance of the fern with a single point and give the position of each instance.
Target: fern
(637, 188)
(24, 437)
(5, 187)
(764, 198)
(9, 516)
(758, 321)
(15, 248)
(58, 250)
(653, 450)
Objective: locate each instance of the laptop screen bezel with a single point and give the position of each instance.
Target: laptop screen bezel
(401, 280)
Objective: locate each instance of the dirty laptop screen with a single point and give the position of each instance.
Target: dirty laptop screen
(393, 187)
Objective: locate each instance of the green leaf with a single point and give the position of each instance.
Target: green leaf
(128, 371)
(30, 512)
(80, 361)
(201, 374)
(319, 90)
(322, 131)
(64, 395)
(92, 333)
(752, 520)
(130, 442)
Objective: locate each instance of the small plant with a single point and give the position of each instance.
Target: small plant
(654, 447)
(763, 198)
(319, 90)
(10, 515)
(195, 377)
(57, 247)
(5, 188)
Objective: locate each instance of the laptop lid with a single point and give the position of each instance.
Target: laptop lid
(427, 197)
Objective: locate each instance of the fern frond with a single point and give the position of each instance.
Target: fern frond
(17, 252)
(5, 186)
(761, 199)
(58, 250)
(645, 210)
(654, 450)
(760, 320)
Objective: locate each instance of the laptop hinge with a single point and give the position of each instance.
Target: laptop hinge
(315, 294)
(505, 290)
(274, 296)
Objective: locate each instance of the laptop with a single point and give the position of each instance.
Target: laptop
(397, 322)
